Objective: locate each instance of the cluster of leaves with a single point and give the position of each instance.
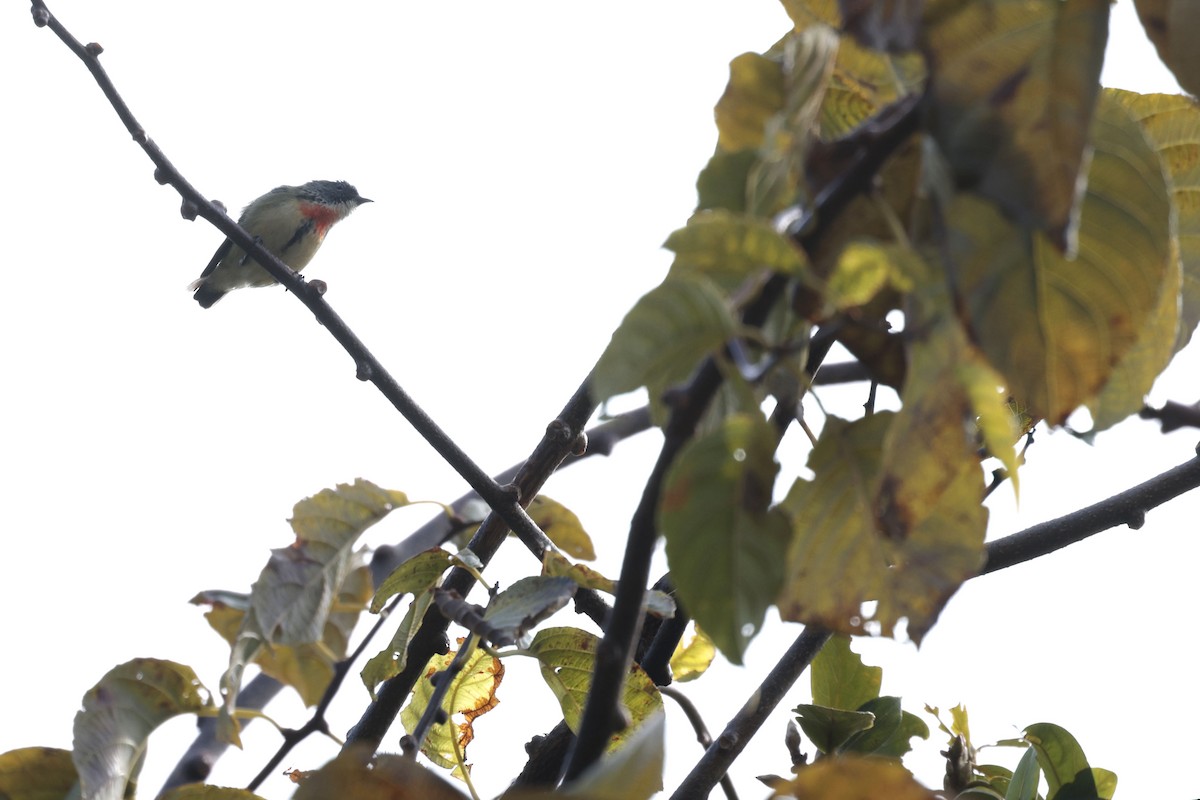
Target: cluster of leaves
(295, 624)
(1035, 235)
(869, 734)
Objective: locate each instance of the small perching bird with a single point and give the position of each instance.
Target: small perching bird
(291, 222)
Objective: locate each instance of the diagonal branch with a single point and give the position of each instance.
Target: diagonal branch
(613, 656)
(502, 499)
(1127, 508)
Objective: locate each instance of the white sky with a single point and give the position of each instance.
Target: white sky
(526, 161)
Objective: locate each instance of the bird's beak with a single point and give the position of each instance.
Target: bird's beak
(362, 200)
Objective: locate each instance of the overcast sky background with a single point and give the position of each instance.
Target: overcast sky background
(526, 162)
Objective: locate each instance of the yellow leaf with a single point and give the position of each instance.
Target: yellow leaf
(472, 694)
(1172, 26)
(692, 657)
(560, 524)
(851, 778)
(1015, 84)
(1056, 327)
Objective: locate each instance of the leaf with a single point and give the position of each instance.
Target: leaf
(722, 182)
(118, 715)
(730, 248)
(1171, 25)
(1025, 778)
(391, 660)
(562, 527)
(863, 82)
(36, 773)
(1053, 327)
(292, 596)
(890, 736)
(472, 694)
(862, 271)
(1068, 773)
(853, 777)
(419, 574)
(840, 679)
(724, 544)
(692, 657)
(843, 554)
(1170, 122)
(515, 611)
(631, 773)
(308, 667)
(355, 776)
(752, 97)
(1015, 86)
(291, 602)
(663, 337)
(567, 657)
(660, 604)
(830, 728)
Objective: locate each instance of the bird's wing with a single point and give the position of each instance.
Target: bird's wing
(222, 251)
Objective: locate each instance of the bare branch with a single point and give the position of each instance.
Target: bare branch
(1127, 508)
(500, 498)
(1173, 416)
(745, 724)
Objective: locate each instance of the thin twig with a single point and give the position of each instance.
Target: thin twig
(562, 437)
(745, 724)
(317, 722)
(1173, 416)
(702, 736)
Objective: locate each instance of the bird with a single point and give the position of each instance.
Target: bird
(291, 222)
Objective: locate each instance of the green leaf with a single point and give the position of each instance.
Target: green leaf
(567, 657)
(1015, 86)
(419, 574)
(663, 337)
(1068, 773)
(471, 694)
(118, 715)
(1024, 782)
(861, 533)
(889, 737)
(840, 679)
(36, 773)
(722, 182)
(729, 248)
(528, 601)
(752, 97)
(830, 728)
(1053, 327)
(391, 660)
(724, 544)
(292, 601)
(562, 527)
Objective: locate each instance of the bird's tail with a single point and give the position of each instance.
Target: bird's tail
(205, 295)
